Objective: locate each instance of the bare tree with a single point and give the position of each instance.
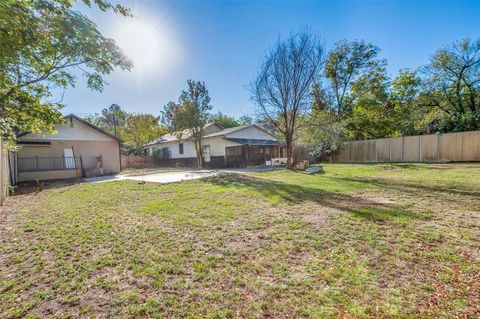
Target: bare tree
(282, 89)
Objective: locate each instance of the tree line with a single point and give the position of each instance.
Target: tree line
(303, 92)
(318, 98)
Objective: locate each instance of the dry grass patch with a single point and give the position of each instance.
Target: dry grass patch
(361, 241)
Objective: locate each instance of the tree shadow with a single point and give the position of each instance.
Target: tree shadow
(361, 206)
(411, 188)
(26, 188)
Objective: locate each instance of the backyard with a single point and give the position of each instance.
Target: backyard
(360, 241)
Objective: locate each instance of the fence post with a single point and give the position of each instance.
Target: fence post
(36, 162)
(375, 145)
(403, 148)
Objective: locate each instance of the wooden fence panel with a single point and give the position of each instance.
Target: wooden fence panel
(428, 148)
(397, 145)
(136, 161)
(453, 147)
(382, 146)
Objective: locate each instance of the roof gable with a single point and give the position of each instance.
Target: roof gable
(75, 128)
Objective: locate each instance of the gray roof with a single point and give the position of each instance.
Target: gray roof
(171, 137)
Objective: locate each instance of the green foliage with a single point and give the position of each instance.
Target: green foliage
(229, 121)
(109, 118)
(322, 133)
(452, 85)
(41, 42)
(442, 96)
(140, 129)
(224, 120)
(346, 64)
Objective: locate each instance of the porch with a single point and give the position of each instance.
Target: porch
(45, 168)
(253, 152)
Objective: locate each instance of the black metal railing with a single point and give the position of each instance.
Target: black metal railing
(39, 164)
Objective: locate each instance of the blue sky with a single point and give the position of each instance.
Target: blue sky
(223, 42)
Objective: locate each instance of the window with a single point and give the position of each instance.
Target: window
(180, 148)
(234, 151)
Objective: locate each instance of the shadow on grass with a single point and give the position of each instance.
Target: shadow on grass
(362, 207)
(25, 188)
(412, 188)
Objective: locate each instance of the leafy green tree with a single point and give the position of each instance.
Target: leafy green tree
(41, 43)
(224, 120)
(405, 90)
(187, 117)
(346, 63)
(140, 129)
(372, 114)
(245, 120)
(452, 85)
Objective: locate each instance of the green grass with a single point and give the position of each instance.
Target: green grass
(361, 241)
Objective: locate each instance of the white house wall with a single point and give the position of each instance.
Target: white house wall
(188, 149)
(217, 147)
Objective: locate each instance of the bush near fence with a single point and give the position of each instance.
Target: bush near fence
(447, 147)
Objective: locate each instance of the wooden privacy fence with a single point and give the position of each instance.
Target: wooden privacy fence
(448, 147)
(136, 161)
(4, 172)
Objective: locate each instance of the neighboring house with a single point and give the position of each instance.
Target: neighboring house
(247, 145)
(78, 147)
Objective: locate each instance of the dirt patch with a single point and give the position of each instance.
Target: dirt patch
(318, 221)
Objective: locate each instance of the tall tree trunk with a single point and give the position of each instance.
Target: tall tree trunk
(199, 151)
(289, 143)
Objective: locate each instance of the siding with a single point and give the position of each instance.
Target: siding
(87, 149)
(217, 147)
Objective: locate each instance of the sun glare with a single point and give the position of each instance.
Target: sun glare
(151, 47)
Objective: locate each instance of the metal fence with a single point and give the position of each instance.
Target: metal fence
(39, 164)
(448, 147)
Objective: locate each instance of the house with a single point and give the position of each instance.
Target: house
(77, 148)
(241, 146)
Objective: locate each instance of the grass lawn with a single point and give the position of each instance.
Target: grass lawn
(361, 241)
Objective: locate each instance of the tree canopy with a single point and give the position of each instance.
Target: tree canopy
(41, 43)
